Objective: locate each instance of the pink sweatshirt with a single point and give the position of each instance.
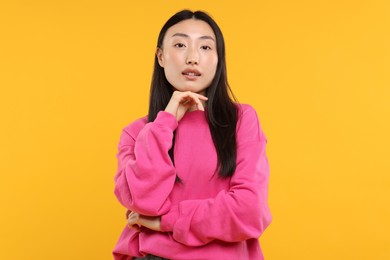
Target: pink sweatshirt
(205, 216)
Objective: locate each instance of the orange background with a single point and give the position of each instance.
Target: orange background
(73, 73)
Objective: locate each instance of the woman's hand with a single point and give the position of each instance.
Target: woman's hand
(181, 102)
(135, 221)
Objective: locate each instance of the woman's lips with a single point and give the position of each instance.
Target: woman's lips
(191, 74)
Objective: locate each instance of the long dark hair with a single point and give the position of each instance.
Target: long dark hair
(221, 111)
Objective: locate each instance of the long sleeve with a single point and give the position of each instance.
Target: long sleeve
(146, 175)
(237, 214)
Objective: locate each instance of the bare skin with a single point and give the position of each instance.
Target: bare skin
(181, 102)
(136, 221)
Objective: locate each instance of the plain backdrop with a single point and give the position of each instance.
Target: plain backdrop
(74, 73)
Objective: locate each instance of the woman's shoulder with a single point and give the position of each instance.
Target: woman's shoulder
(135, 127)
(248, 124)
(245, 111)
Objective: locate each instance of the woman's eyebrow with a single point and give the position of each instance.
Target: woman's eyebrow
(186, 36)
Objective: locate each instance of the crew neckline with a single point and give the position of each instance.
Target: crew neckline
(193, 113)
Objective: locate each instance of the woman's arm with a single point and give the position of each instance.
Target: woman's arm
(146, 175)
(237, 214)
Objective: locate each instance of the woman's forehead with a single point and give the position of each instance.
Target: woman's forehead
(191, 28)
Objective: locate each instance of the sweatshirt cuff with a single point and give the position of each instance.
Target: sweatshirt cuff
(168, 220)
(164, 119)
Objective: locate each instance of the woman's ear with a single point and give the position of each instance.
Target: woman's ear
(160, 57)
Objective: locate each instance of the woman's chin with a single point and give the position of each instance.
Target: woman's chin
(198, 90)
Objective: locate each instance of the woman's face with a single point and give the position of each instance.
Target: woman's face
(189, 55)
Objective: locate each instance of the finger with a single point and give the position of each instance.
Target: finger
(200, 106)
(197, 99)
(192, 98)
(133, 220)
(133, 213)
(128, 213)
(193, 101)
(199, 96)
(186, 101)
(133, 216)
(184, 95)
(202, 97)
(135, 227)
(189, 102)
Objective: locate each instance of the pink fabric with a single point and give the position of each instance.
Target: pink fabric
(205, 216)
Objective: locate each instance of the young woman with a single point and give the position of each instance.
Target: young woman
(193, 174)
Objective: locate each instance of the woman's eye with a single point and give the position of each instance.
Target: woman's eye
(179, 45)
(205, 47)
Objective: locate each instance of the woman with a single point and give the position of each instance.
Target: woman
(193, 174)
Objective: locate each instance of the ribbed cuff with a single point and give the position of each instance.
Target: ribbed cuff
(165, 119)
(168, 220)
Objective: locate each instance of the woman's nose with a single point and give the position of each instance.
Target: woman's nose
(192, 61)
(192, 57)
